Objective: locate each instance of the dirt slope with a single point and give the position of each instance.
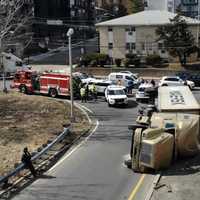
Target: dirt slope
(28, 120)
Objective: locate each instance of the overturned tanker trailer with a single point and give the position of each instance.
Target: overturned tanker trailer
(169, 132)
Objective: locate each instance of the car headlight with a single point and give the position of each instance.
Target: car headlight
(112, 100)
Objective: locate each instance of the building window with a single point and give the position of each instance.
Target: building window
(110, 45)
(143, 46)
(133, 46)
(162, 51)
(130, 46)
(110, 29)
(130, 29)
(133, 29)
(160, 46)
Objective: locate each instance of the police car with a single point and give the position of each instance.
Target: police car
(116, 95)
(142, 93)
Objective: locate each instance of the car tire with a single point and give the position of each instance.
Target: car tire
(53, 93)
(23, 89)
(109, 105)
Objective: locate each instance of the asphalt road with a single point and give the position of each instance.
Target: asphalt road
(60, 56)
(95, 169)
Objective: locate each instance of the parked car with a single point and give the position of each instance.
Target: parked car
(195, 79)
(134, 75)
(116, 95)
(143, 92)
(100, 84)
(175, 81)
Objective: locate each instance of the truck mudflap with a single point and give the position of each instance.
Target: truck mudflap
(136, 147)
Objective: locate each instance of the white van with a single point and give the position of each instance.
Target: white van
(125, 79)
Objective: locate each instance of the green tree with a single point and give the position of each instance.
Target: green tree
(115, 10)
(177, 38)
(137, 6)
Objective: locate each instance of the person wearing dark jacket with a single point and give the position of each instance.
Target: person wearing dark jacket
(26, 159)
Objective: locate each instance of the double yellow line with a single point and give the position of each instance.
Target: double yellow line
(136, 188)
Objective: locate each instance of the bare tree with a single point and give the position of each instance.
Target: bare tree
(15, 25)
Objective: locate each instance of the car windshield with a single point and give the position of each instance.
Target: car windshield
(129, 78)
(116, 92)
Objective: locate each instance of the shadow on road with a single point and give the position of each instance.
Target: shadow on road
(184, 166)
(45, 176)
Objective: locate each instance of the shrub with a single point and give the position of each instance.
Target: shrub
(131, 55)
(153, 59)
(95, 59)
(118, 62)
(132, 59)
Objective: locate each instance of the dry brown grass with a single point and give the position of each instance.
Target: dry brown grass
(29, 120)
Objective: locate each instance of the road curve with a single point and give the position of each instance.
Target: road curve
(94, 169)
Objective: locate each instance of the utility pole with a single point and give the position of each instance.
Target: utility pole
(198, 11)
(70, 32)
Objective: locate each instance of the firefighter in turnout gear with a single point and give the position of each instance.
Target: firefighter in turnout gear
(83, 94)
(93, 91)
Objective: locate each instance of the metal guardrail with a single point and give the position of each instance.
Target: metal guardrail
(21, 166)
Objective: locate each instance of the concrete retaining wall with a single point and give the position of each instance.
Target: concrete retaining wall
(150, 72)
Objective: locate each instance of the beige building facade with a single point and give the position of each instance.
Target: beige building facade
(119, 37)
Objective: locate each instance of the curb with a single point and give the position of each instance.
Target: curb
(153, 184)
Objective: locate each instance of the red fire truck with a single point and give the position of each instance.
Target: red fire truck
(30, 82)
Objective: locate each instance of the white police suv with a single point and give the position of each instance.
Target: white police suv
(116, 95)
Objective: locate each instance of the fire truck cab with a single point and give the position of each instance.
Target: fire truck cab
(30, 82)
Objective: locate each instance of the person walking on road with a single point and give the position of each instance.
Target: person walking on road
(26, 159)
(83, 95)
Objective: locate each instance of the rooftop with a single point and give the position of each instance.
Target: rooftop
(146, 18)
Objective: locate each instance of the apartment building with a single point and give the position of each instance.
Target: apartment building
(136, 34)
(189, 8)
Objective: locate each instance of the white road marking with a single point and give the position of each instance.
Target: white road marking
(83, 109)
(90, 111)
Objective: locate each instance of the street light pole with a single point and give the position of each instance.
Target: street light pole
(198, 12)
(69, 34)
(2, 67)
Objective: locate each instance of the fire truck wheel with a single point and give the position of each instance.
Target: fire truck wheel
(53, 92)
(23, 89)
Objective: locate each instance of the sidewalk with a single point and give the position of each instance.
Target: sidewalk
(180, 182)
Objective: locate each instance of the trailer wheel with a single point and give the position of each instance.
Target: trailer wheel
(23, 89)
(53, 92)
